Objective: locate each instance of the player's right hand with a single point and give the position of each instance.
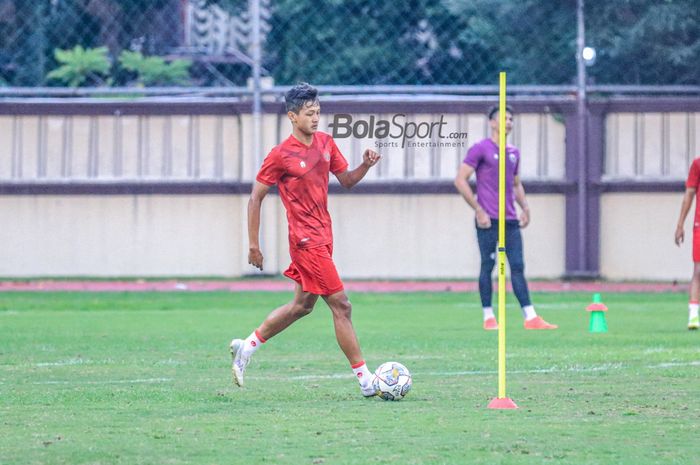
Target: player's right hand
(680, 235)
(370, 157)
(483, 220)
(255, 258)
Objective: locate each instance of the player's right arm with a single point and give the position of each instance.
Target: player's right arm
(685, 208)
(349, 178)
(462, 184)
(255, 256)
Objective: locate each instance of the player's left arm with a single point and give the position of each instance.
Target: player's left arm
(685, 208)
(255, 256)
(519, 191)
(349, 178)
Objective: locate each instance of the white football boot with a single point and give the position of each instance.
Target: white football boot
(368, 389)
(239, 362)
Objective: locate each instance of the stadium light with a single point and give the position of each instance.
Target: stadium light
(589, 55)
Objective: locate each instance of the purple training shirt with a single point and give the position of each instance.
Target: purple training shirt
(483, 157)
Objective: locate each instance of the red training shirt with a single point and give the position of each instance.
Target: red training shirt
(694, 182)
(301, 175)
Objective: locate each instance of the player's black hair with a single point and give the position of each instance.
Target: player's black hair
(494, 109)
(297, 96)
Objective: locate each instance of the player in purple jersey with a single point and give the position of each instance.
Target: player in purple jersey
(482, 159)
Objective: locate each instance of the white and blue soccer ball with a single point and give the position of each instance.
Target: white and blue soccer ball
(392, 381)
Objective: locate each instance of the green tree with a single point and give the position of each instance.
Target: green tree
(155, 71)
(377, 42)
(345, 42)
(533, 41)
(22, 44)
(80, 65)
(422, 42)
(644, 41)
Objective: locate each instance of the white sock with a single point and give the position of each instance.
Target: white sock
(362, 373)
(488, 313)
(693, 310)
(251, 344)
(529, 312)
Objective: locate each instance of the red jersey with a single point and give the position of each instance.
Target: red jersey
(301, 175)
(694, 182)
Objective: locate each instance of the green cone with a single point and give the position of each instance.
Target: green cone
(598, 323)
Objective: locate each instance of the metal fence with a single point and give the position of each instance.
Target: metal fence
(345, 42)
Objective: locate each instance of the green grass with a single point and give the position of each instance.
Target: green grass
(145, 379)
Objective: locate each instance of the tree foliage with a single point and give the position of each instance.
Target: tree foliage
(377, 42)
(155, 71)
(645, 42)
(79, 65)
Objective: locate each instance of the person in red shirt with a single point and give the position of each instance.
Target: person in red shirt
(299, 167)
(691, 191)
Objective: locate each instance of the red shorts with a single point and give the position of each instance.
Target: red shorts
(696, 244)
(314, 269)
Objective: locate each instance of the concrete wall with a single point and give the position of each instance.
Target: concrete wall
(75, 148)
(387, 236)
(107, 148)
(637, 237)
(651, 145)
(120, 235)
(377, 236)
(433, 236)
(399, 236)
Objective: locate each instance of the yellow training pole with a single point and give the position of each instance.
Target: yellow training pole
(502, 237)
(502, 402)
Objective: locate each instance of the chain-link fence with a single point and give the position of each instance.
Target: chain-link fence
(348, 42)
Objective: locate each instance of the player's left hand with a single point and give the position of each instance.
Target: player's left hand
(524, 218)
(255, 258)
(370, 157)
(680, 235)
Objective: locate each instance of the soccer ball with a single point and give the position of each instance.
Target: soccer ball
(392, 381)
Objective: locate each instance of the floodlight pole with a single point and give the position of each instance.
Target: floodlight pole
(255, 48)
(256, 57)
(582, 238)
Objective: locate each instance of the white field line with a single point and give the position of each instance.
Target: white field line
(575, 369)
(553, 370)
(84, 361)
(108, 381)
(677, 364)
(63, 363)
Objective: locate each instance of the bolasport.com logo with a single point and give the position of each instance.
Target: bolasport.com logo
(397, 131)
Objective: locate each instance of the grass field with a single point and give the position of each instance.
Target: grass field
(144, 378)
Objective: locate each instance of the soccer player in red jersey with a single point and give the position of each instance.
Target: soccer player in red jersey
(691, 191)
(299, 167)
